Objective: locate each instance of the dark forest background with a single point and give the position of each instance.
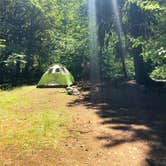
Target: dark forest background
(35, 34)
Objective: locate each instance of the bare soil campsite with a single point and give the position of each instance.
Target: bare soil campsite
(48, 127)
(82, 82)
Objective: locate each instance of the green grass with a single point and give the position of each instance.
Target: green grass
(36, 130)
(11, 98)
(31, 119)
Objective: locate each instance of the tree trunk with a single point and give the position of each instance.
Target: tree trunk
(122, 56)
(141, 74)
(1, 76)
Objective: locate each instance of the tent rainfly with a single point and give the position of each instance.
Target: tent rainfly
(56, 76)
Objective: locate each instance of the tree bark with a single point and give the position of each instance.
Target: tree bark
(141, 74)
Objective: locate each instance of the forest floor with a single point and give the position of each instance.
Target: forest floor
(98, 133)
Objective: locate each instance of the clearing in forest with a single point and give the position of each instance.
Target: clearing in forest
(47, 127)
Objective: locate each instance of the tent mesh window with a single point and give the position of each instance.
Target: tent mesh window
(50, 71)
(57, 70)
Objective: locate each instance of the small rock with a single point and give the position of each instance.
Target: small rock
(82, 146)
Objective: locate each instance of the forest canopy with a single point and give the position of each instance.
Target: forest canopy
(35, 34)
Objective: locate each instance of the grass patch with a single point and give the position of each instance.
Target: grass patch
(32, 119)
(18, 97)
(37, 130)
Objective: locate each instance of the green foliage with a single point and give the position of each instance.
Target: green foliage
(2, 44)
(154, 50)
(46, 32)
(147, 4)
(159, 73)
(14, 59)
(135, 42)
(56, 31)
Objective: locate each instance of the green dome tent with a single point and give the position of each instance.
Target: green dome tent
(56, 76)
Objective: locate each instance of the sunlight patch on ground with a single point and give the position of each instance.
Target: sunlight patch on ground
(32, 120)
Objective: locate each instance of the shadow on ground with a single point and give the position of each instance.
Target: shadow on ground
(131, 109)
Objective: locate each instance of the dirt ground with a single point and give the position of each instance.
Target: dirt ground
(102, 145)
(114, 135)
(105, 131)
